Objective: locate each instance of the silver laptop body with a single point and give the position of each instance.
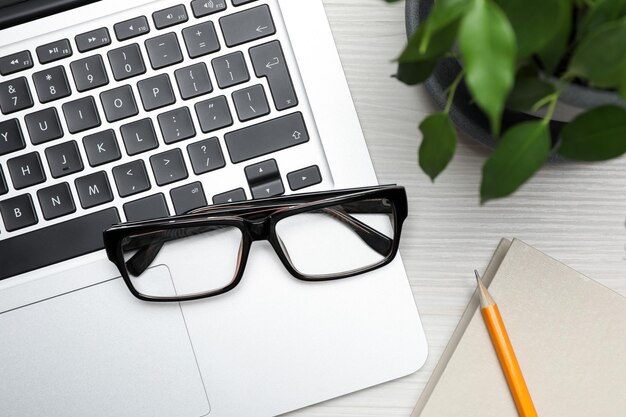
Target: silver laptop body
(73, 340)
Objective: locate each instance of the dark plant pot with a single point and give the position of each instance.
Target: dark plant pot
(470, 119)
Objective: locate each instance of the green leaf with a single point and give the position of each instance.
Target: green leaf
(553, 51)
(601, 56)
(521, 152)
(533, 22)
(527, 92)
(596, 135)
(412, 73)
(601, 12)
(438, 144)
(622, 88)
(487, 42)
(419, 50)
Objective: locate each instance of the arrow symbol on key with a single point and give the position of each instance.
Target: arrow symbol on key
(260, 29)
(272, 63)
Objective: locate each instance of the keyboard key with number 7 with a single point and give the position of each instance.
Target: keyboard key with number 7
(15, 96)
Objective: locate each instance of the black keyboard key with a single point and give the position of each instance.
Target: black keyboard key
(230, 70)
(119, 103)
(268, 189)
(17, 213)
(268, 61)
(164, 51)
(168, 167)
(193, 81)
(4, 187)
(26, 170)
(251, 103)
(232, 196)
(54, 51)
(262, 172)
(15, 96)
(156, 92)
(148, 208)
(92, 40)
(176, 125)
(64, 159)
(240, 2)
(206, 156)
(126, 62)
(51, 84)
(170, 16)
(56, 201)
(11, 137)
(201, 39)
(266, 137)
(304, 177)
(89, 73)
(131, 178)
(93, 189)
(43, 126)
(18, 61)
(81, 114)
(101, 148)
(247, 25)
(131, 28)
(50, 245)
(188, 197)
(213, 114)
(202, 8)
(139, 136)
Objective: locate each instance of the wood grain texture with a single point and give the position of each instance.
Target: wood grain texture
(574, 212)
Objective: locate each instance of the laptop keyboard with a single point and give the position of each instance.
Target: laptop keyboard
(180, 106)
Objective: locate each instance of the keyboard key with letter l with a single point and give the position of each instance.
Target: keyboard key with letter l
(247, 25)
(268, 61)
(266, 137)
(51, 245)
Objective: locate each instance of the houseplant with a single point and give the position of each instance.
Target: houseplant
(523, 55)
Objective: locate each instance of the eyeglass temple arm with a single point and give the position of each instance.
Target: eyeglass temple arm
(380, 243)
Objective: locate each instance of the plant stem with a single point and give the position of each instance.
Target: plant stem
(452, 91)
(553, 98)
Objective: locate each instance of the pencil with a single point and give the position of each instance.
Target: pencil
(504, 350)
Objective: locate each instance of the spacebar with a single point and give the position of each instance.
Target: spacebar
(55, 243)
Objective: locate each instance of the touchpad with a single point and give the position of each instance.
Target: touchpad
(99, 352)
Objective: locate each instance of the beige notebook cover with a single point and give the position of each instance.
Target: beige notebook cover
(569, 335)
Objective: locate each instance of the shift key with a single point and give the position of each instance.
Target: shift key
(267, 137)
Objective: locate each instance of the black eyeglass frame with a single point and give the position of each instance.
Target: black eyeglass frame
(263, 228)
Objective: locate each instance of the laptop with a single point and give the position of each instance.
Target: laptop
(118, 111)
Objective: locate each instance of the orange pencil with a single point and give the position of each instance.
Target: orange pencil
(504, 350)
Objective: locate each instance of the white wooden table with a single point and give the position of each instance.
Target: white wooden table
(574, 212)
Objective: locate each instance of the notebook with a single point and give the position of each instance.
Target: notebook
(569, 335)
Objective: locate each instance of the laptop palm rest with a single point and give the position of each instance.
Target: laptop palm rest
(99, 351)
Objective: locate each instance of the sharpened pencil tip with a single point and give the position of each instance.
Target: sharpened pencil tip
(485, 297)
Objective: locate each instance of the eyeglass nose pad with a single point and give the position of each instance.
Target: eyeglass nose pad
(259, 230)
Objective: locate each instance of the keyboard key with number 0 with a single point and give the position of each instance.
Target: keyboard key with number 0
(126, 62)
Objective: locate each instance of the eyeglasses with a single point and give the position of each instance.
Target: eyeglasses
(317, 236)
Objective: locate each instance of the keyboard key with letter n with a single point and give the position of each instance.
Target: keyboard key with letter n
(266, 137)
(51, 245)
